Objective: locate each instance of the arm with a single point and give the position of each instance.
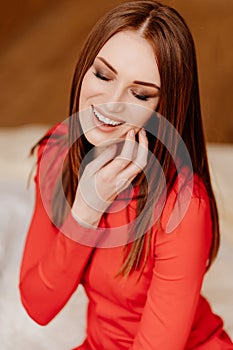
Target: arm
(52, 264)
(179, 267)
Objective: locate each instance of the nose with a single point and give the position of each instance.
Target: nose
(114, 107)
(115, 99)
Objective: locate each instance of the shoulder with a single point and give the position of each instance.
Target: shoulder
(51, 157)
(188, 201)
(185, 226)
(51, 153)
(53, 138)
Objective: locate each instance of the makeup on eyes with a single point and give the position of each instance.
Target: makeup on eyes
(100, 71)
(99, 75)
(142, 95)
(104, 71)
(138, 82)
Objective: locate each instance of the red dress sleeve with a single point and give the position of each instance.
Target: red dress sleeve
(179, 266)
(52, 263)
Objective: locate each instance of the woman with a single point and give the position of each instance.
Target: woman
(124, 203)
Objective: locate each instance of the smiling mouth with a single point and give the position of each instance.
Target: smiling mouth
(105, 120)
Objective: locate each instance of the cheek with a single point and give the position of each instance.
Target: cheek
(139, 114)
(141, 117)
(90, 87)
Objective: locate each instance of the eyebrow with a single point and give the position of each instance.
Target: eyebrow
(146, 84)
(135, 82)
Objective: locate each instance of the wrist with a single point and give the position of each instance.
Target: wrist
(84, 222)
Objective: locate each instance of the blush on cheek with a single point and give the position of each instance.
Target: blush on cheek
(91, 85)
(140, 118)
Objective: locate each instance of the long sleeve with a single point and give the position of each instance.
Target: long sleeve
(179, 266)
(52, 263)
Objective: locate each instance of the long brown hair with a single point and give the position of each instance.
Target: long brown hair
(179, 103)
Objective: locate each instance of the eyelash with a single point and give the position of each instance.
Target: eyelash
(100, 76)
(138, 96)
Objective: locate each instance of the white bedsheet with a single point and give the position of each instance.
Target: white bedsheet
(67, 330)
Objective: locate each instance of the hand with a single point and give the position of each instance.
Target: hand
(106, 176)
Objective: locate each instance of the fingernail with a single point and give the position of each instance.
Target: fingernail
(143, 132)
(131, 133)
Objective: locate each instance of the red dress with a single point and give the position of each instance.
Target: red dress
(162, 310)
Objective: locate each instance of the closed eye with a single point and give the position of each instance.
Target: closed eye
(141, 97)
(100, 76)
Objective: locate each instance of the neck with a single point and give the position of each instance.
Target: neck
(98, 150)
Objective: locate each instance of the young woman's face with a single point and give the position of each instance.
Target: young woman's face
(120, 90)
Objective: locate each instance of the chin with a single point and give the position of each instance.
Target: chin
(100, 140)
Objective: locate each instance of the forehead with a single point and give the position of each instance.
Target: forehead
(131, 54)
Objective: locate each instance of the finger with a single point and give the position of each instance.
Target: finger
(105, 157)
(139, 163)
(141, 158)
(127, 154)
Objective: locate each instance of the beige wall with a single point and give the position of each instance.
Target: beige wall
(40, 43)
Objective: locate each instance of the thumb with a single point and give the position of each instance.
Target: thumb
(104, 158)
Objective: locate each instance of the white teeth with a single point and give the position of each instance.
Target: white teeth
(105, 120)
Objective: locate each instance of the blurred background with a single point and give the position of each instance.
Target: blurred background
(39, 44)
(40, 41)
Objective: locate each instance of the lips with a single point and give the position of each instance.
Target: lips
(106, 120)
